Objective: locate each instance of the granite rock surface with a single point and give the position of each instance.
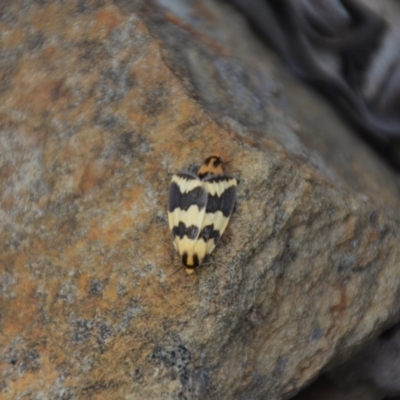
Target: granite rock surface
(100, 102)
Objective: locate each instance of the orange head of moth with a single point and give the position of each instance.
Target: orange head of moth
(211, 166)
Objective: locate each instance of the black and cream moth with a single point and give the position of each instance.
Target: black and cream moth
(199, 209)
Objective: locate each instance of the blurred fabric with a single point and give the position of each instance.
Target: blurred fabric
(347, 51)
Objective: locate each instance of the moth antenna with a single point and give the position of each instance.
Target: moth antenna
(228, 161)
(179, 268)
(168, 244)
(197, 270)
(170, 248)
(213, 263)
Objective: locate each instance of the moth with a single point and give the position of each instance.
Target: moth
(199, 209)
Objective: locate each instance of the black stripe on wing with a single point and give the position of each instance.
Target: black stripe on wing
(223, 203)
(208, 232)
(181, 230)
(183, 200)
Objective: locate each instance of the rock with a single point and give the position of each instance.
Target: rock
(377, 363)
(370, 374)
(100, 103)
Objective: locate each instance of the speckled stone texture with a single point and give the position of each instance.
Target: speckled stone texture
(100, 102)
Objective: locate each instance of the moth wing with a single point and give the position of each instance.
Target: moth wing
(186, 209)
(221, 191)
